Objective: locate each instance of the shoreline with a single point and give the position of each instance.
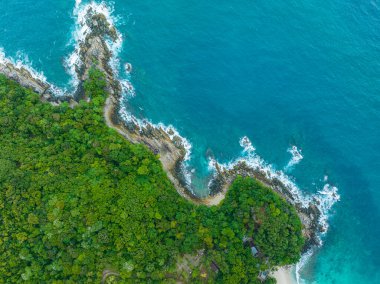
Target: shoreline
(285, 275)
(95, 52)
(165, 142)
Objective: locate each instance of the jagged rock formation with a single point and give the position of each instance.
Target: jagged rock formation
(94, 53)
(26, 79)
(23, 77)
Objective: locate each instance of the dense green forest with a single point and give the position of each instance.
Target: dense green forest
(80, 204)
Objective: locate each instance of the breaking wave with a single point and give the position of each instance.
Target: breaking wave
(23, 62)
(296, 158)
(324, 199)
(73, 61)
(301, 264)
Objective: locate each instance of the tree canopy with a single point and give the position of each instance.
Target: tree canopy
(79, 203)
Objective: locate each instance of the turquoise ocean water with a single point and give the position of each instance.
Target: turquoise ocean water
(283, 73)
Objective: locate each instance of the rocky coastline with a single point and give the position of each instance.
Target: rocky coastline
(25, 78)
(309, 214)
(95, 53)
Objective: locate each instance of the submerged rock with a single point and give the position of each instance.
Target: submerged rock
(128, 68)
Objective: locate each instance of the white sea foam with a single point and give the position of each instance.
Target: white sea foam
(73, 61)
(77, 3)
(255, 162)
(169, 129)
(301, 264)
(127, 87)
(296, 158)
(172, 133)
(324, 199)
(23, 62)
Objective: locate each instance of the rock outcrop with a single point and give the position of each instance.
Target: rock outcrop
(94, 52)
(27, 79)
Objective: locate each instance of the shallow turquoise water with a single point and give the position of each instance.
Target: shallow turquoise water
(284, 73)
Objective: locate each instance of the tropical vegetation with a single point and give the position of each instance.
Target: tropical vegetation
(80, 204)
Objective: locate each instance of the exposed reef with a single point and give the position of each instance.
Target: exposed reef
(94, 52)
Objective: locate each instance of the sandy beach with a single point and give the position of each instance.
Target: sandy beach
(284, 275)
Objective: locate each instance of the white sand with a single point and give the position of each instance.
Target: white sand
(284, 275)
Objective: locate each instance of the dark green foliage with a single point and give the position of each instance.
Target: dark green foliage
(253, 212)
(77, 200)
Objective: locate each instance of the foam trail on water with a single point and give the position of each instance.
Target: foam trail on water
(296, 158)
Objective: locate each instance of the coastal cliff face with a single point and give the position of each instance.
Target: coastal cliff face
(94, 52)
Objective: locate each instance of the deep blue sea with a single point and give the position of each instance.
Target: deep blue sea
(283, 73)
